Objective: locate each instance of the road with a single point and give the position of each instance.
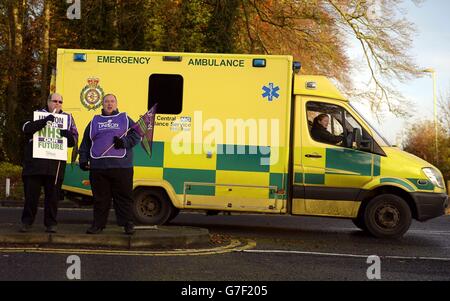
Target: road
(287, 248)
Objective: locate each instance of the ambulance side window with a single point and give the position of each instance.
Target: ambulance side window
(167, 91)
(333, 114)
(340, 126)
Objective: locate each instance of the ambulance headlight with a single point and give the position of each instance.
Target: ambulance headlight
(434, 176)
(79, 57)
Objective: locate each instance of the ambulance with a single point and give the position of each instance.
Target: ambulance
(235, 133)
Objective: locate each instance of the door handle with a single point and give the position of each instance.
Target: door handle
(313, 155)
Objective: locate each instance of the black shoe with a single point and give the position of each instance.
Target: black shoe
(25, 228)
(129, 228)
(51, 229)
(94, 230)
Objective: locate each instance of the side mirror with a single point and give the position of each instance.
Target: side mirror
(356, 143)
(366, 145)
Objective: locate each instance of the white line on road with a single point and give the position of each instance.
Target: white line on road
(433, 232)
(345, 255)
(430, 232)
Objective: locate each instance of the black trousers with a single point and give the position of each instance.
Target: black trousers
(115, 184)
(32, 188)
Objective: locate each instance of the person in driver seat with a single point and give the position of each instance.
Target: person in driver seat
(320, 133)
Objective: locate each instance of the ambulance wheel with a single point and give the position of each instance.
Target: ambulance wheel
(174, 214)
(359, 222)
(387, 216)
(152, 207)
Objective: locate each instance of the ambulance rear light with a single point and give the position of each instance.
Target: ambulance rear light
(79, 57)
(296, 66)
(167, 58)
(259, 63)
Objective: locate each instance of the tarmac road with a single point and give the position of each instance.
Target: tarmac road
(287, 248)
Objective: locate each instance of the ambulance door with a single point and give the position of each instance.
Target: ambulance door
(333, 170)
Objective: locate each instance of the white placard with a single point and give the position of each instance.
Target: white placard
(48, 142)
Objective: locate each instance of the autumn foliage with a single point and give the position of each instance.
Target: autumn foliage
(421, 142)
(315, 32)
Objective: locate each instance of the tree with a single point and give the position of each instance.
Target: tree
(421, 142)
(192, 34)
(221, 28)
(316, 32)
(385, 38)
(14, 49)
(305, 29)
(45, 48)
(4, 39)
(444, 104)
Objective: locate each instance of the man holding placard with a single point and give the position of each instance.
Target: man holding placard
(47, 139)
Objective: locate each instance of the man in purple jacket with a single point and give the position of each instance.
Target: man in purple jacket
(111, 168)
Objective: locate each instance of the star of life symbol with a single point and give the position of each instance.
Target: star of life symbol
(270, 91)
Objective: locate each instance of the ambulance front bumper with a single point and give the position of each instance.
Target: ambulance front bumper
(430, 205)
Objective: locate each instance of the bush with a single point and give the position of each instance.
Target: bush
(14, 173)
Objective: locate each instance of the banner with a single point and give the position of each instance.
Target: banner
(48, 142)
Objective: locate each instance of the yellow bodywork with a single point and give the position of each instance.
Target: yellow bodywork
(234, 117)
(223, 108)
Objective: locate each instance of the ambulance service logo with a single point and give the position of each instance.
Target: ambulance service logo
(92, 94)
(270, 91)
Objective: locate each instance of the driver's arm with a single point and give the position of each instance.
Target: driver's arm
(333, 138)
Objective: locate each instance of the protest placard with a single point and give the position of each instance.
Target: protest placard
(48, 142)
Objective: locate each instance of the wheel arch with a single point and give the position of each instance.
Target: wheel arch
(152, 205)
(164, 187)
(388, 189)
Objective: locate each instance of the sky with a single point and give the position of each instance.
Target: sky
(431, 49)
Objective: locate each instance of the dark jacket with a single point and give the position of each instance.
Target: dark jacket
(36, 166)
(321, 134)
(130, 140)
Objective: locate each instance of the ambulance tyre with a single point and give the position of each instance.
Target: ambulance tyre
(359, 222)
(152, 207)
(387, 216)
(174, 214)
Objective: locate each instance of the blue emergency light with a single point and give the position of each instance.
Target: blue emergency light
(79, 57)
(296, 66)
(259, 63)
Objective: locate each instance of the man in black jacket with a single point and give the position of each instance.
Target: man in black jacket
(43, 172)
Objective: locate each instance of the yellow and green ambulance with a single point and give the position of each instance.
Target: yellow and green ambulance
(235, 133)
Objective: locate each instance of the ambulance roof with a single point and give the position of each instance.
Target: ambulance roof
(316, 85)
